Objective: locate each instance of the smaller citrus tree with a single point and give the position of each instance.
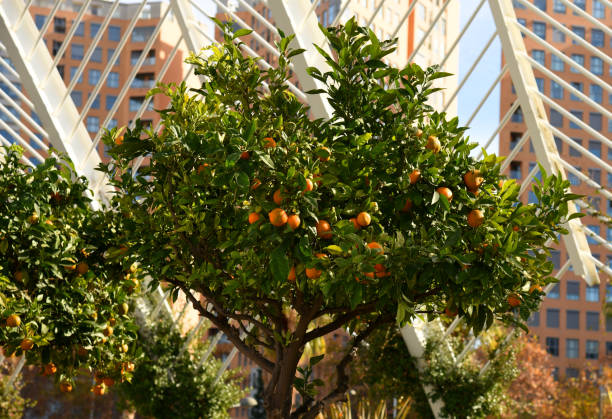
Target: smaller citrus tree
(291, 228)
(65, 286)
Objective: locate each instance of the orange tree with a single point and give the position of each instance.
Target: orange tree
(374, 216)
(63, 289)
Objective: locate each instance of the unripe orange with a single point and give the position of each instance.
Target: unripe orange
(294, 221)
(415, 176)
(475, 218)
(324, 229)
(364, 219)
(278, 217)
(253, 217)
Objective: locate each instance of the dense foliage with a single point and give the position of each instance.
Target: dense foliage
(170, 382)
(12, 403)
(65, 282)
(367, 218)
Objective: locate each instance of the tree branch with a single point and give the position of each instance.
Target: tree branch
(339, 321)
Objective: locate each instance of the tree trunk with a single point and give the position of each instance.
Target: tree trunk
(279, 395)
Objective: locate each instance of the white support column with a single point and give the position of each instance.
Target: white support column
(33, 62)
(289, 16)
(538, 127)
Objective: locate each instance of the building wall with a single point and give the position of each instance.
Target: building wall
(593, 300)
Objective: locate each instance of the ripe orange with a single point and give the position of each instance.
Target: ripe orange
(324, 159)
(13, 320)
(202, 167)
(277, 198)
(98, 390)
(415, 176)
(119, 140)
(82, 268)
(369, 274)
(129, 366)
(107, 331)
(450, 312)
(407, 205)
(419, 133)
(473, 180)
(50, 369)
(355, 223)
(124, 348)
(535, 287)
(515, 228)
(49, 222)
(19, 275)
(294, 221)
(442, 190)
(433, 144)
(500, 184)
(291, 277)
(475, 218)
(269, 142)
(379, 267)
(109, 382)
(65, 387)
(112, 321)
(364, 219)
(278, 217)
(33, 219)
(376, 246)
(309, 185)
(245, 155)
(26, 344)
(253, 217)
(98, 377)
(514, 300)
(317, 175)
(313, 273)
(324, 229)
(256, 184)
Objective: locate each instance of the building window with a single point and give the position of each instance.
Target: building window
(94, 77)
(559, 144)
(137, 101)
(540, 56)
(556, 63)
(517, 116)
(532, 198)
(77, 98)
(142, 33)
(581, 4)
(515, 170)
(579, 31)
(578, 59)
(573, 290)
(76, 52)
(608, 348)
(515, 137)
(558, 7)
(594, 229)
(571, 372)
(596, 93)
(557, 35)
(552, 318)
(571, 348)
(592, 294)
(111, 52)
(595, 174)
(144, 80)
(55, 47)
(608, 322)
(73, 71)
(539, 28)
(554, 292)
(534, 319)
(555, 255)
(540, 84)
(592, 320)
(592, 349)
(556, 119)
(40, 21)
(93, 29)
(111, 124)
(595, 121)
(96, 102)
(113, 79)
(60, 70)
(110, 101)
(599, 10)
(80, 30)
(573, 179)
(596, 65)
(59, 25)
(552, 346)
(114, 33)
(556, 91)
(516, 4)
(578, 86)
(93, 124)
(135, 55)
(96, 57)
(577, 114)
(597, 38)
(540, 4)
(595, 148)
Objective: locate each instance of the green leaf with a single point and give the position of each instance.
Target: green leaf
(279, 263)
(242, 32)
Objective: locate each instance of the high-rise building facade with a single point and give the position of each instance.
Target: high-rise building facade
(121, 92)
(572, 323)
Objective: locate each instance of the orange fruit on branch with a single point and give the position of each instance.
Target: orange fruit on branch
(324, 159)
(26, 344)
(407, 205)
(475, 218)
(65, 387)
(415, 176)
(355, 223)
(277, 197)
(376, 247)
(13, 320)
(473, 180)
(278, 217)
(256, 184)
(514, 300)
(324, 229)
(245, 155)
(444, 191)
(313, 273)
(364, 219)
(433, 144)
(309, 185)
(294, 221)
(291, 277)
(99, 390)
(269, 142)
(49, 369)
(82, 268)
(253, 217)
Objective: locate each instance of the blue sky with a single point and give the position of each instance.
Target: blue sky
(485, 73)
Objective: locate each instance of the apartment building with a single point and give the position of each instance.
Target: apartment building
(121, 93)
(572, 324)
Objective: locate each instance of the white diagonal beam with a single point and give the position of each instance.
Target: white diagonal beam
(33, 69)
(538, 127)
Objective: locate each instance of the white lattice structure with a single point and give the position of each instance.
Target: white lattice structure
(38, 105)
